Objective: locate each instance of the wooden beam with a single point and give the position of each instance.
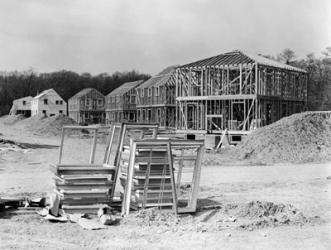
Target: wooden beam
(240, 79)
(219, 97)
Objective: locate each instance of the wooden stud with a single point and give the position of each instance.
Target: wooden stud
(92, 155)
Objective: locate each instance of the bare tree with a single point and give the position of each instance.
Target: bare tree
(287, 56)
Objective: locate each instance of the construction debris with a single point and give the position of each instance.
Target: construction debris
(147, 165)
(21, 202)
(106, 215)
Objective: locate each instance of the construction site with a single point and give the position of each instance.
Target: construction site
(186, 124)
(135, 185)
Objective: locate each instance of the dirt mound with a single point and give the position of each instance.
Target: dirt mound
(42, 125)
(304, 137)
(152, 217)
(248, 216)
(11, 119)
(264, 214)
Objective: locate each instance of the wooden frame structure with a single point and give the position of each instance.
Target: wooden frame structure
(149, 181)
(87, 107)
(173, 171)
(119, 138)
(156, 99)
(83, 187)
(238, 92)
(187, 160)
(121, 103)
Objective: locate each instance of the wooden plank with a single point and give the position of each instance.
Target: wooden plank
(216, 97)
(174, 194)
(196, 179)
(79, 187)
(92, 177)
(92, 155)
(96, 170)
(85, 201)
(84, 195)
(85, 165)
(104, 191)
(128, 186)
(90, 209)
(61, 145)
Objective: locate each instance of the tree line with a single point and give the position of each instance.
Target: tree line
(14, 85)
(319, 75)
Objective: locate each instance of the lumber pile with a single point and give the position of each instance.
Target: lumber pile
(82, 188)
(143, 170)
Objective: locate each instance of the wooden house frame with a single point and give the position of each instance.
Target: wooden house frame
(238, 92)
(87, 107)
(156, 99)
(121, 103)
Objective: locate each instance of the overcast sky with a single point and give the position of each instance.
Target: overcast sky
(148, 35)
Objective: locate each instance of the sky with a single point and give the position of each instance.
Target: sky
(99, 36)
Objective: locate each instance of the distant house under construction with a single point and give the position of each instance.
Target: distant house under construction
(121, 103)
(156, 99)
(87, 107)
(238, 92)
(22, 106)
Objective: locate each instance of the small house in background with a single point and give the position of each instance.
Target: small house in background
(48, 103)
(121, 103)
(22, 106)
(156, 99)
(87, 107)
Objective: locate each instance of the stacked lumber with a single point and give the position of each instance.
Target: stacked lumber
(147, 176)
(83, 188)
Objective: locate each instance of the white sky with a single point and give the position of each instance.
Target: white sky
(148, 35)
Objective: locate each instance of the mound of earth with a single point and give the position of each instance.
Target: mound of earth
(248, 216)
(152, 217)
(299, 138)
(12, 119)
(42, 125)
(259, 214)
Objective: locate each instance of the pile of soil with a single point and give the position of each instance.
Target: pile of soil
(258, 214)
(12, 119)
(42, 125)
(246, 216)
(299, 138)
(152, 217)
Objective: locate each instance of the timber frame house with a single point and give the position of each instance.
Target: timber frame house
(237, 92)
(87, 107)
(121, 103)
(156, 99)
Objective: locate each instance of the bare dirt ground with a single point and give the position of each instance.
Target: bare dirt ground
(229, 220)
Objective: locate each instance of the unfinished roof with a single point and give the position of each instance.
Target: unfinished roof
(164, 77)
(237, 57)
(84, 92)
(44, 93)
(125, 87)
